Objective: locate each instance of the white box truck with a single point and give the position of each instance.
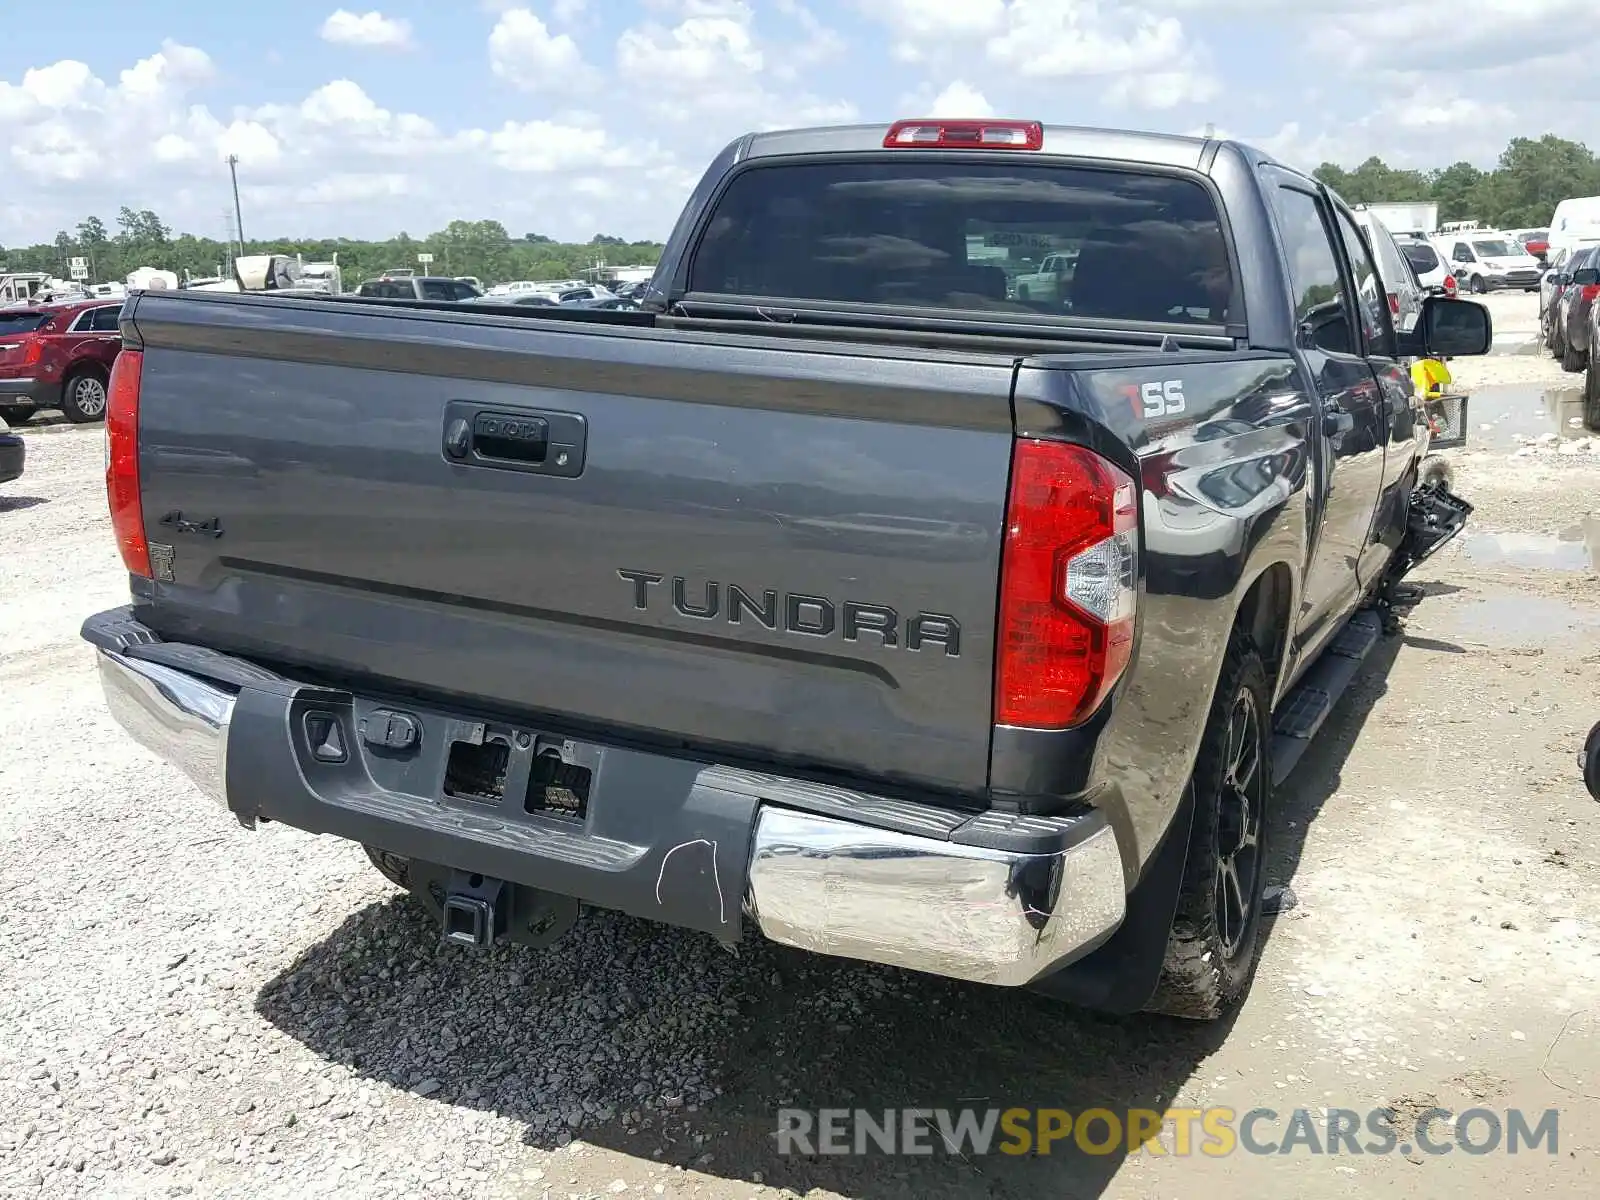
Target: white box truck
(1418, 218)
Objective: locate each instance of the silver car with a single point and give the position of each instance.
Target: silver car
(1399, 280)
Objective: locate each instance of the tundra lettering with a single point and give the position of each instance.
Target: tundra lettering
(799, 613)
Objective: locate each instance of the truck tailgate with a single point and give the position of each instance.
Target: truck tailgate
(734, 546)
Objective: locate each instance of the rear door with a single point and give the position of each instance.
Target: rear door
(1352, 425)
(1397, 417)
(93, 334)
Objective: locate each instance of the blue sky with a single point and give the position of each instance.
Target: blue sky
(572, 117)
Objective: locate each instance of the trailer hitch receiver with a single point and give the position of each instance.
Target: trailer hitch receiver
(475, 910)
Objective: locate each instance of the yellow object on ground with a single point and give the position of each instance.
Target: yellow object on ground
(1430, 376)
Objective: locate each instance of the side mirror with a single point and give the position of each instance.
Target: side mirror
(1561, 279)
(1448, 328)
(1585, 277)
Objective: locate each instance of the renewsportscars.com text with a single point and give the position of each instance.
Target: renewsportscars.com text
(1212, 1132)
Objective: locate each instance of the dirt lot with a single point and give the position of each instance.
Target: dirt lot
(188, 1008)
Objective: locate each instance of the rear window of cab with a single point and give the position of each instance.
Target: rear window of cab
(1035, 239)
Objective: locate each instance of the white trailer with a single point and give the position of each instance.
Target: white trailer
(1413, 217)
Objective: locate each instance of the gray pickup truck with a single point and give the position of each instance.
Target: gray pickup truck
(837, 592)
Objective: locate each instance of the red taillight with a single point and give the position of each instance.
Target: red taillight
(122, 462)
(935, 134)
(1068, 585)
(1394, 305)
(1449, 285)
(1589, 291)
(32, 349)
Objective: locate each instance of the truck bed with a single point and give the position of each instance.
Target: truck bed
(777, 547)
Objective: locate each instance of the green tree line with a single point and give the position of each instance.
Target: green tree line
(483, 249)
(1520, 192)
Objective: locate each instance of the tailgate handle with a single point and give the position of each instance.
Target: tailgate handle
(511, 436)
(547, 443)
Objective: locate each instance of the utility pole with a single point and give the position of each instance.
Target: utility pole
(238, 215)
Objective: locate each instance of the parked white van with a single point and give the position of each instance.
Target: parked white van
(1484, 260)
(1577, 219)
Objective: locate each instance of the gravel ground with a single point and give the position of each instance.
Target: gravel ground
(189, 1008)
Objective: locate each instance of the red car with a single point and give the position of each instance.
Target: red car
(58, 356)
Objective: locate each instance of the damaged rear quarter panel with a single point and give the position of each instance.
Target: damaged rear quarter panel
(1224, 496)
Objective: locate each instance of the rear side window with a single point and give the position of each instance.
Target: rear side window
(1035, 239)
(1372, 291)
(438, 289)
(104, 320)
(1314, 271)
(1422, 257)
(12, 324)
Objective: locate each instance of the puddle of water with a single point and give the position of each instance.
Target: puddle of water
(1520, 620)
(1575, 549)
(1517, 411)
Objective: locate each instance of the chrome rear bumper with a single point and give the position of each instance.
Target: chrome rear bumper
(820, 883)
(989, 916)
(180, 717)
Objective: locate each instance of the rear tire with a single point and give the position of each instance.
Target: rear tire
(1591, 396)
(1478, 286)
(1558, 341)
(1216, 933)
(17, 414)
(83, 396)
(1573, 361)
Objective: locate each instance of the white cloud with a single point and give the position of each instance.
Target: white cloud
(370, 29)
(546, 147)
(524, 52)
(1183, 84)
(711, 71)
(335, 161)
(694, 54)
(1143, 58)
(933, 26)
(176, 67)
(960, 99)
(174, 148)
